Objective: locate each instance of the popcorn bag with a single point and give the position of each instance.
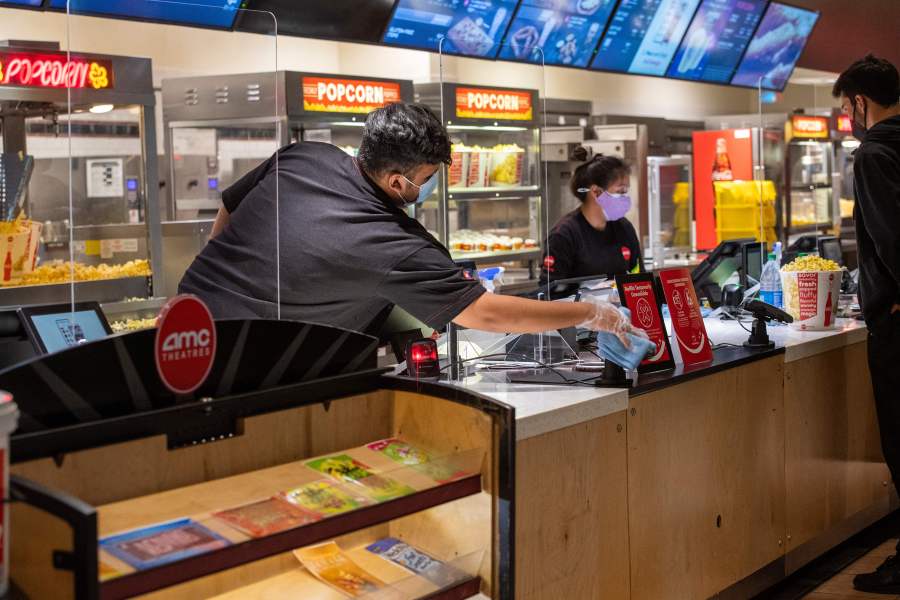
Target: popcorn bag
(506, 166)
(479, 168)
(458, 171)
(18, 249)
(811, 297)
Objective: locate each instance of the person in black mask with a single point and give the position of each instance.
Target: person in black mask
(595, 238)
(869, 92)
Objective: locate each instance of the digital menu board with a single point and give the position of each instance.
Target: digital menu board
(22, 2)
(643, 35)
(208, 13)
(559, 32)
(773, 52)
(716, 39)
(469, 27)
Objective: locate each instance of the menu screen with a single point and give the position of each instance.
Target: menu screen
(210, 13)
(561, 32)
(643, 35)
(717, 37)
(22, 2)
(774, 50)
(469, 27)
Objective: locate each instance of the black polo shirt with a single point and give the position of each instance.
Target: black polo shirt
(348, 252)
(576, 249)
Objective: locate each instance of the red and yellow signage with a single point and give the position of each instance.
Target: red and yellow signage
(54, 71)
(844, 125)
(809, 127)
(323, 94)
(498, 105)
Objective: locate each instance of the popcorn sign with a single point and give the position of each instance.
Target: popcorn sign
(54, 71)
(322, 94)
(504, 105)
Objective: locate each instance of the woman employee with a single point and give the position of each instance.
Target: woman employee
(596, 238)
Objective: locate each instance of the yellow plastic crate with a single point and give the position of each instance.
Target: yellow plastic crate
(738, 210)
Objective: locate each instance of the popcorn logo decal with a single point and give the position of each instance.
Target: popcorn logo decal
(99, 76)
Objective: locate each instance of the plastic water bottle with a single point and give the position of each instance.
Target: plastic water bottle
(770, 283)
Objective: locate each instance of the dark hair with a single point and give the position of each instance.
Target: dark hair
(874, 77)
(400, 137)
(600, 171)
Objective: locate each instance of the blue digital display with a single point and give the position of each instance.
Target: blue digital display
(469, 27)
(643, 36)
(775, 48)
(64, 330)
(131, 184)
(22, 2)
(716, 39)
(210, 13)
(564, 32)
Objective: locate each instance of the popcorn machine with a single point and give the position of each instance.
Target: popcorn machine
(489, 209)
(78, 176)
(219, 127)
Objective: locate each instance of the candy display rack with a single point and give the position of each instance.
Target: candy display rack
(425, 465)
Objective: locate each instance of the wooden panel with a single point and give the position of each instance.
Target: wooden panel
(706, 482)
(571, 513)
(833, 461)
(121, 471)
(34, 535)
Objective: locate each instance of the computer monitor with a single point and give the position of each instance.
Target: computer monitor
(723, 262)
(753, 256)
(830, 248)
(56, 327)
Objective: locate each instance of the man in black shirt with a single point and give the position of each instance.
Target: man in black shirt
(870, 94)
(316, 235)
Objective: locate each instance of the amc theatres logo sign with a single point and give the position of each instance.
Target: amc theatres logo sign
(185, 344)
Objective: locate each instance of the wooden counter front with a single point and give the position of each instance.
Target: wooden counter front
(706, 482)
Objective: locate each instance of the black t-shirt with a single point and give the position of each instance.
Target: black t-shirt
(348, 253)
(576, 249)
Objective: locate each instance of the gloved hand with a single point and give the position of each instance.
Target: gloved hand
(611, 348)
(609, 318)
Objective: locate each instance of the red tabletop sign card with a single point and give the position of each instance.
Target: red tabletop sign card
(185, 345)
(638, 295)
(687, 322)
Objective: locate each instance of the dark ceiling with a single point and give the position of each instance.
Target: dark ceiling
(848, 29)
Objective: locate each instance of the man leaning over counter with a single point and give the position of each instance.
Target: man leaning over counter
(348, 251)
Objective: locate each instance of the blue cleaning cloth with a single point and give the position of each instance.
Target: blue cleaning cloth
(611, 348)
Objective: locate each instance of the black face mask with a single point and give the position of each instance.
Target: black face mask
(859, 131)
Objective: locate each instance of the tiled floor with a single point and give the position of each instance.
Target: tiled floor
(840, 587)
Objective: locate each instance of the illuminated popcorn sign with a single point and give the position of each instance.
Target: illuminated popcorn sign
(326, 94)
(46, 70)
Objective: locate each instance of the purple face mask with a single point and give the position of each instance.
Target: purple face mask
(614, 206)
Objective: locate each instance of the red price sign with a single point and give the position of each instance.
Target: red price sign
(185, 343)
(47, 70)
(687, 322)
(324, 94)
(638, 294)
(503, 105)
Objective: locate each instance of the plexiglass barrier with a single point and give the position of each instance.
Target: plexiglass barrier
(110, 177)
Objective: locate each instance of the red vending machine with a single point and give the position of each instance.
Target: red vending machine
(729, 203)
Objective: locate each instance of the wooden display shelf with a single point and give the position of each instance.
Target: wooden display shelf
(199, 501)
